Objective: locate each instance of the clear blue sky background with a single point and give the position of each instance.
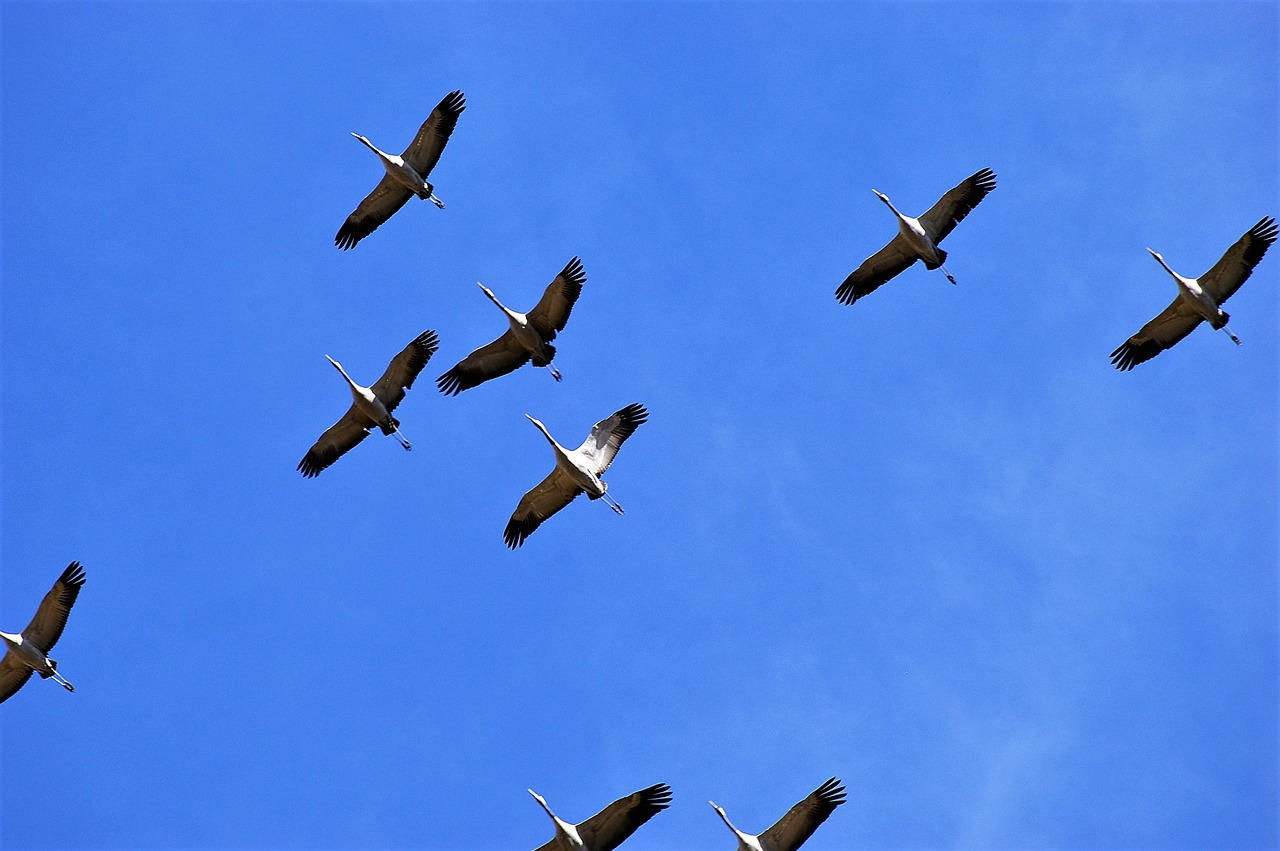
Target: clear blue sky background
(932, 543)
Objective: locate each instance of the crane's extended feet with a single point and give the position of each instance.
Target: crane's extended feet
(434, 200)
(1233, 337)
(400, 437)
(948, 274)
(555, 373)
(57, 678)
(612, 503)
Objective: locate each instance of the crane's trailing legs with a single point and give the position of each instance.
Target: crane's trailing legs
(434, 200)
(60, 680)
(612, 503)
(1233, 337)
(948, 274)
(555, 373)
(400, 437)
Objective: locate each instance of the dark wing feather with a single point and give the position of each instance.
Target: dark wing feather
(46, 627)
(607, 436)
(378, 206)
(876, 270)
(951, 208)
(424, 151)
(1235, 267)
(501, 356)
(404, 369)
(791, 831)
(13, 676)
(1174, 322)
(551, 312)
(336, 441)
(610, 827)
(549, 496)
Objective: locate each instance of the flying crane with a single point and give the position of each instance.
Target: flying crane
(791, 831)
(371, 407)
(528, 337)
(27, 652)
(1198, 299)
(406, 174)
(577, 471)
(610, 827)
(917, 239)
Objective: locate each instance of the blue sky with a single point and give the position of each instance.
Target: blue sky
(932, 543)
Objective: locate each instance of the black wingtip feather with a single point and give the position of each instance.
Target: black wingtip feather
(832, 792)
(450, 383)
(73, 575)
(657, 796)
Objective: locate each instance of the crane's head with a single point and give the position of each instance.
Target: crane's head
(1155, 255)
(883, 197)
(336, 365)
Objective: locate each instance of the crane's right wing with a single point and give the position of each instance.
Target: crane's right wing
(378, 206)
(608, 435)
(551, 312)
(46, 627)
(424, 151)
(501, 356)
(336, 441)
(791, 831)
(404, 368)
(942, 217)
(549, 496)
(876, 270)
(1235, 267)
(1174, 322)
(13, 676)
(610, 827)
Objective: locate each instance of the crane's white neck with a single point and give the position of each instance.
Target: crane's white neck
(371, 146)
(887, 202)
(566, 831)
(746, 842)
(354, 387)
(511, 314)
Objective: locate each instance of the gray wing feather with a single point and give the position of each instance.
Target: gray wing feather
(404, 369)
(501, 356)
(378, 206)
(952, 207)
(791, 831)
(1235, 267)
(336, 441)
(424, 151)
(610, 827)
(608, 435)
(547, 497)
(13, 676)
(46, 627)
(1174, 322)
(552, 311)
(876, 270)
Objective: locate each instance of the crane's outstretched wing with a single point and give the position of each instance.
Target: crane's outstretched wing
(1174, 322)
(13, 675)
(501, 356)
(336, 441)
(610, 827)
(404, 368)
(791, 831)
(608, 435)
(551, 312)
(46, 627)
(549, 496)
(876, 270)
(951, 208)
(378, 206)
(424, 151)
(1235, 267)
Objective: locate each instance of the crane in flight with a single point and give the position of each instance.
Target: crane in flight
(577, 471)
(610, 827)
(27, 652)
(791, 831)
(529, 336)
(406, 173)
(371, 407)
(1199, 299)
(917, 239)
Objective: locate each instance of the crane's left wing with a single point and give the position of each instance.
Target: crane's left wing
(791, 831)
(551, 312)
(549, 496)
(951, 208)
(378, 206)
(13, 675)
(503, 355)
(336, 441)
(1235, 267)
(46, 627)
(424, 151)
(876, 270)
(1174, 322)
(608, 435)
(404, 368)
(610, 827)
